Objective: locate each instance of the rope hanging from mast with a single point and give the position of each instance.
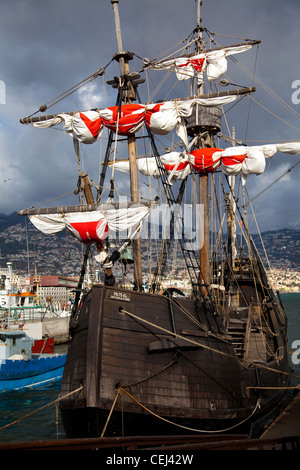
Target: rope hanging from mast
(99, 73)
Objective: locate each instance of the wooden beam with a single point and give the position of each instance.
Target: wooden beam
(238, 92)
(84, 208)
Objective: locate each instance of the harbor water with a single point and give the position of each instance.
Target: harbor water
(42, 422)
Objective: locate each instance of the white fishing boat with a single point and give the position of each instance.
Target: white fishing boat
(20, 367)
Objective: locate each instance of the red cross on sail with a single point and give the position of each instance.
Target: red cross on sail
(127, 120)
(93, 231)
(205, 160)
(93, 125)
(197, 64)
(214, 62)
(84, 126)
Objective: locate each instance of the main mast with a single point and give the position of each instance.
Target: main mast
(128, 95)
(203, 141)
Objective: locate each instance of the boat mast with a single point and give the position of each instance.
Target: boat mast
(207, 141)
(231, 208)
(199, 43)
(128, 96)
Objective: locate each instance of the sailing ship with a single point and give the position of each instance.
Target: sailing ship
(155, 361)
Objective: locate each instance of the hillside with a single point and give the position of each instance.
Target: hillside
(282, 248)
(22, 244)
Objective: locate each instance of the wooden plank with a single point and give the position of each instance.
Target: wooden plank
(155, 311)
(170, 344)
(93, 354)
(125, 360)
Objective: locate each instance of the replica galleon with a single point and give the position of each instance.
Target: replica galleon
(182, 332)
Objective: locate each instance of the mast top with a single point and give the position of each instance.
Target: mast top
(118, 34)
(130, 81)
(200, 43)
(199, 3)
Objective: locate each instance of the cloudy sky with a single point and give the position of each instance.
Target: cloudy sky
(47, 47)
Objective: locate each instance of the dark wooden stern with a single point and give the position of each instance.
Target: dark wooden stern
(195, 378)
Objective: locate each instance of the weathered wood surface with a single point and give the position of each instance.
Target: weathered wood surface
(110, 348)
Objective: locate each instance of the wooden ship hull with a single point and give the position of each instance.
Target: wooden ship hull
(147, 364)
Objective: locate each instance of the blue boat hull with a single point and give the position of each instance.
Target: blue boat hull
(15, 374)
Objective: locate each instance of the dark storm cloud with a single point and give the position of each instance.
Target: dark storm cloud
(47, 47)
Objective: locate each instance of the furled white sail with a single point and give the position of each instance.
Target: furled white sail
(214, 63)
(92, 226)
(161, 118)
(231, 161)
(175, 164)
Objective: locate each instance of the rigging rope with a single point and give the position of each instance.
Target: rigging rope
(250, 102)
(256, 79)
(264, 86)
(270, 185)
(71, 90)
(255, 268)
(204, 346)
(42, 408)
(273, 114)
(186, 427)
